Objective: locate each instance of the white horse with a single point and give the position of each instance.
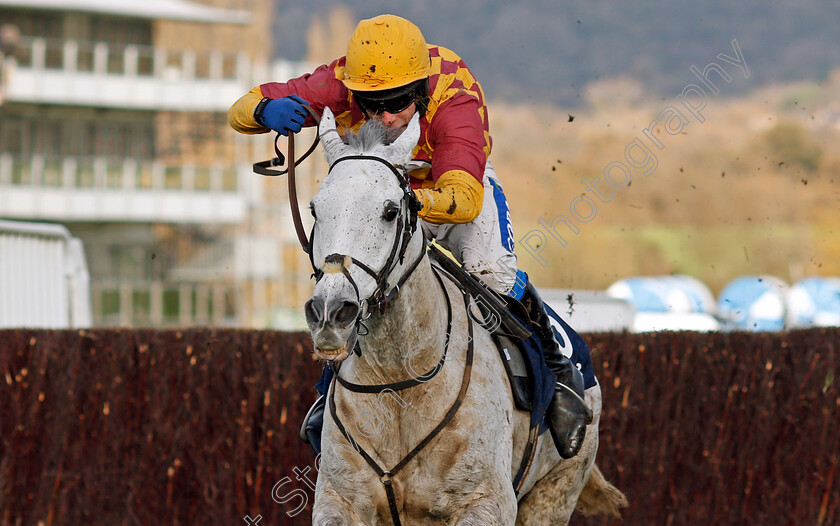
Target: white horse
(443, 446)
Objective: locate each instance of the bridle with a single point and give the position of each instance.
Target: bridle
(406, 227)
(409, 206)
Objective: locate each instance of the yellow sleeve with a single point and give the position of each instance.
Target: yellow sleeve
(241, 114)
(457, 197)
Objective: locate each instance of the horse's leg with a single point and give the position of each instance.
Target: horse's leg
(333, 514)
(331, 510)
(330, 515)
(483, 512)
(495, 505)
(553, 498)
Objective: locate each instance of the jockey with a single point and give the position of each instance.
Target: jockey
(388, 74)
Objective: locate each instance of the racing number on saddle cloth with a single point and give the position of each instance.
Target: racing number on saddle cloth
(573, 346)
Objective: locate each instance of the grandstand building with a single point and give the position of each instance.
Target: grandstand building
(114, 125)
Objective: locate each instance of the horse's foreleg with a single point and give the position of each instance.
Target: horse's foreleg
(331, 510)
(330, 516)
(482, 512)
(497, 507)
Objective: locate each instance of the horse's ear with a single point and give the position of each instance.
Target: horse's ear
(333, 145)
(399, 152)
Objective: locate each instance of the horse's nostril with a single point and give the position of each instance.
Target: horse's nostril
(345, 313)
(313, 309)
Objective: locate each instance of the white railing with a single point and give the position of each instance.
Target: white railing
(104, 189)
(162, 304)
(44, 281)
(114, 173)
(104, 74)
(129, 59)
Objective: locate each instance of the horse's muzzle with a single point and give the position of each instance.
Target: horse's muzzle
(332, 324)
(342, 313)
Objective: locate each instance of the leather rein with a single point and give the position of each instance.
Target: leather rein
(264, 168)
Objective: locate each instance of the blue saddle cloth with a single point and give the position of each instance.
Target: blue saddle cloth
(580, 356)
(542, 380)
(542, 384)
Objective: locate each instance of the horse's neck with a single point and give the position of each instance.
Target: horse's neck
(404, 341)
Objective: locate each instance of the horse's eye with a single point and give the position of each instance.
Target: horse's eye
(390, 213)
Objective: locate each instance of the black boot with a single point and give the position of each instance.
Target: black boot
(313, 423)
(567, 414)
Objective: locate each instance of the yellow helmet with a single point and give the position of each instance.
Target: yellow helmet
(385, 52)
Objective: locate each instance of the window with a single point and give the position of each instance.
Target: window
(171, 305)
(141, 306)
(110, 304)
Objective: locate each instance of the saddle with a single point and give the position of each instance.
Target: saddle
(517, 370)
(514, 354)
(531, 381)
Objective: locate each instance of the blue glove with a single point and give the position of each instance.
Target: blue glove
(283, 115)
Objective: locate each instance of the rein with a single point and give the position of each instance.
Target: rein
(263, 168)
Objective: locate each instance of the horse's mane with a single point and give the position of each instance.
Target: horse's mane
(370, 135)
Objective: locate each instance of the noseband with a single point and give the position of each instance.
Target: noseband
(381, 296)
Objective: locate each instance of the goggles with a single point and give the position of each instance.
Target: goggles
(378, 106)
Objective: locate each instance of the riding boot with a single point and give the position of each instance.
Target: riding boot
(567, 414)
(313, 423)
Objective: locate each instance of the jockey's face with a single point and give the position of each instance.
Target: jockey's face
(393, 108)
(396, 121)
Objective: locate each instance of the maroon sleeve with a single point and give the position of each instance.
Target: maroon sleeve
(320, 88)
(459, 137)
